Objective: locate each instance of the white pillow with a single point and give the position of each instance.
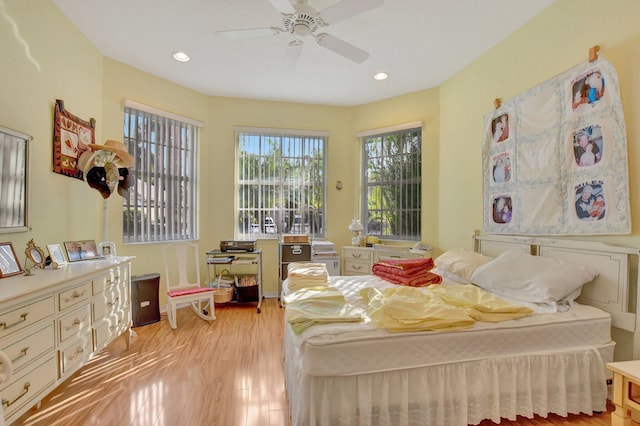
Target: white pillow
(460, 263)
(528, 278)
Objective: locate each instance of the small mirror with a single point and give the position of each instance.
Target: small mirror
(35, 254)
(14, 182)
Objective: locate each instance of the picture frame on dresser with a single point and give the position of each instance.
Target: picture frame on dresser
(9, 263)
(55, 252)
(106, 249)
(81, 250)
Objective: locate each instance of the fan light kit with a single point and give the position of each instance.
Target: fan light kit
(301, 20)
(181, 57)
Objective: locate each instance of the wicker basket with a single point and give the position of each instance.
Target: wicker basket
(223, 292)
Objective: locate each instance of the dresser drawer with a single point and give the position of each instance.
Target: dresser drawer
(356, 254)
(77, 351)
(356, 268)
(105, 303)
(73, 323)
(74, 296)
(23, 388)
(25, 315)
(113, 277)
(30, 347)
(110, 327)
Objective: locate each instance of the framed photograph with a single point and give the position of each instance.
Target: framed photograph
(9, 263)
(106, 249)
(81, 250)
(55, 252)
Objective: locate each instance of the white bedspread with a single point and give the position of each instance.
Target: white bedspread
(539, 364)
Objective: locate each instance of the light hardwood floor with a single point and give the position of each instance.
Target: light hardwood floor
(228, 373)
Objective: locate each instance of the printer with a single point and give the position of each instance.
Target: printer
(238, 245)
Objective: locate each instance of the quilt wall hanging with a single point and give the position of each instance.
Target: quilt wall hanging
(71, 137)
(105, 167)
(555, 158)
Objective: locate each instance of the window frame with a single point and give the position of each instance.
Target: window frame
(413, 213)
(166, 153)
(251, 222)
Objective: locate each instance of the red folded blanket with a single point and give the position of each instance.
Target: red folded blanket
(407, 265)
(409, 272)
(415, 281)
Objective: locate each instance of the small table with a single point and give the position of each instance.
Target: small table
(626, 392)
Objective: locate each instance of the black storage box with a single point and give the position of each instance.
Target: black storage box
(145, 305)
(247, 294)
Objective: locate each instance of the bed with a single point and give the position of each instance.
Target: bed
(548, 362)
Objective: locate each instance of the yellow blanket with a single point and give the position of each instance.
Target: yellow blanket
(440, 308)
(318, 305)
(303, 275)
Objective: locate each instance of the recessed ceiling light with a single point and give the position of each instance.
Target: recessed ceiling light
(381, 76)
(181, 56)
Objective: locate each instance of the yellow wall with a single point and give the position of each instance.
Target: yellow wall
(44, 58)
(65, 65)
(556, 40)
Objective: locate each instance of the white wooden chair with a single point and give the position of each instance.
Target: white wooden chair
(179, 289)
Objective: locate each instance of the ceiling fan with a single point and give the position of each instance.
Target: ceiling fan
(301, 20)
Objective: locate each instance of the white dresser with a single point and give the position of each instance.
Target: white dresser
(360, 260)
(54, 321)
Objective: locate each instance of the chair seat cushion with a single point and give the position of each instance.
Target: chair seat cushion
(192, 290)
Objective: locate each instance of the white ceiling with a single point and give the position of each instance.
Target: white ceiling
(419, 43)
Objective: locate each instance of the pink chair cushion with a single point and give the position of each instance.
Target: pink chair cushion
(193, 290)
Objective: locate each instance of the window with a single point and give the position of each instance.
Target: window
(392, 178)
(162, 204)
(280, 182)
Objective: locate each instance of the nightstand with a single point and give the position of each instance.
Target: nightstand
(357, 260)
(626, 392)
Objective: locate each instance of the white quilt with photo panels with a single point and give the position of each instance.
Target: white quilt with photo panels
(555, 158)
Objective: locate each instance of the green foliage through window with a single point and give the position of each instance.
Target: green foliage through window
(280, 183)
(393, 180)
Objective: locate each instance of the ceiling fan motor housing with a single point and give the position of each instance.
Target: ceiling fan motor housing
(304, 21)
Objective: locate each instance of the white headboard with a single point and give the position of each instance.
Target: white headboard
(615, 288)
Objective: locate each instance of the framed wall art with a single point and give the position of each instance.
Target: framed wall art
(81, 250)
(9, 263)
(71, 137)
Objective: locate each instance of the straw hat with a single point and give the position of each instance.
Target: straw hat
(118, 148)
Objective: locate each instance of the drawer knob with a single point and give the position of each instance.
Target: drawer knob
(356, 255)
(6, 326)
(296, 251)
(25, 390)
(357, 267)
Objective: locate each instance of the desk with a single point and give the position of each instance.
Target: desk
(626, 392)
(239, 264)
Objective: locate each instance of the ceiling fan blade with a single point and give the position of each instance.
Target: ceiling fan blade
(248, 33)
(341, 47)
(346, 9)
(292, 56)
(283, 6)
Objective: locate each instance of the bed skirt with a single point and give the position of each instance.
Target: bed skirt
(460, 393)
